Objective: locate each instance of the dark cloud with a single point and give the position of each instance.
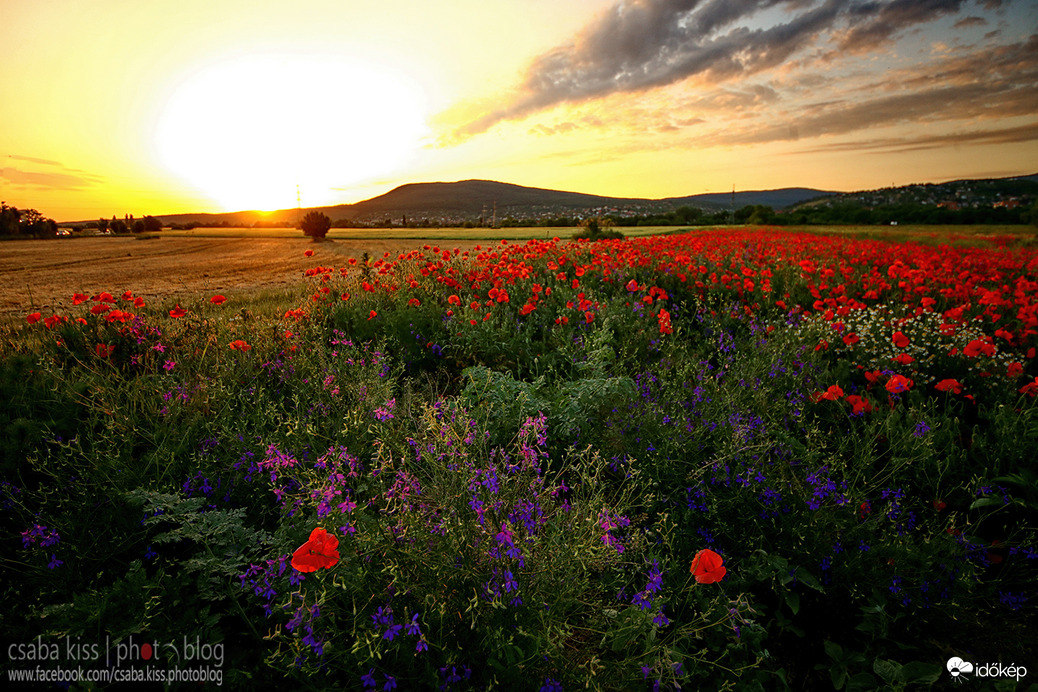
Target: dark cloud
(649, 43)
(1008, 135)
(876, 24)
(966, 22)
(643, 44)
(989, 84)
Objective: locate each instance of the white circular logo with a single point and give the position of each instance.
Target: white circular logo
(956, 666)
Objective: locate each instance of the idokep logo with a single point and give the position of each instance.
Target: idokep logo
(961, 670)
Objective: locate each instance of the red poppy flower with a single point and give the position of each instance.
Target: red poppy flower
(632, 285)
(949, 385)
(708, 567)
(1015, 370)
(33, 317)
(53, 321)
(217, 300)
(319, 552)
(453, 299)
(664, 321)
(239, 345)
(99, 308)
(903, 359)
(308, 253)
(851, 339)
(372, 315)
(104, 297)
(118, 316)
(833, 393)
(939, 505)
(177, 312)
(103, 351)
(864, 510)
(859, 404)
(900, 340)
(898, 384)
(78, 298)
(138, 302)
(589, 317)
(1031, 388)
(978, 346)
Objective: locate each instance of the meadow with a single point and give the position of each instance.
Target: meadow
(740, 458)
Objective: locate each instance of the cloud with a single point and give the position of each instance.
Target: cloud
(1007, 135)
(876, 24)
(638, 45)
(66, 179)
(989, 84)
(30, 159)
(966, 22)
(644, 44)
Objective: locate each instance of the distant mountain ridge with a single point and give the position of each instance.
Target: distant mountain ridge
(487, 200)
(475, 199)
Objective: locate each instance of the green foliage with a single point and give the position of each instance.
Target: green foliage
(315, 224)
(518, 495)
(597, 228)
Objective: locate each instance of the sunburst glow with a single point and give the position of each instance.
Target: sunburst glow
(251, 131)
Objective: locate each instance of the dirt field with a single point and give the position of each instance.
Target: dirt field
(42, 275)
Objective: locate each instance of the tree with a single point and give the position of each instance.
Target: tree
(9, 218)
(152, 225)
(316, 225)
(26, 222)
(598, 228)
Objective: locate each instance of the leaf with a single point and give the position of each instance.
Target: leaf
(890, 671)
(808, 579)
(862, 682)
(986, 502)
(919, 673)
(839, 676)
(793, 601)
(833, 650)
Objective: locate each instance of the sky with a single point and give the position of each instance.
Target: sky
(113, 107)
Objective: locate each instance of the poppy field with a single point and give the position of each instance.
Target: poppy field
(729, 459)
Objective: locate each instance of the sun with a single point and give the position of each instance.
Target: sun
(255, 131)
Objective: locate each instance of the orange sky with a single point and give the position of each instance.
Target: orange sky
(122, 106)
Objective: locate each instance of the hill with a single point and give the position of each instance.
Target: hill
(488, 201)
(471, 200)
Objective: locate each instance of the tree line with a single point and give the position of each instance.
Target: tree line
(25, 223)
(29, 223)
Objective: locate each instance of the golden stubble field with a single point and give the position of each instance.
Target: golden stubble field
(42, 275)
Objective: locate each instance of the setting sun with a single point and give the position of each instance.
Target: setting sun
(250, 132)
(198, 106)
